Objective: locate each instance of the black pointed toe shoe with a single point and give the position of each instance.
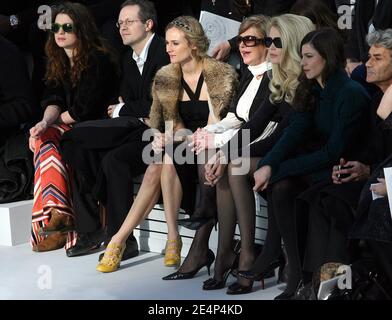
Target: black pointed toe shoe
(236, 288)
(188, 275)
(213, 284)
(267, 273)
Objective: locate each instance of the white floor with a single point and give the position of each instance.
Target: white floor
(29, 275)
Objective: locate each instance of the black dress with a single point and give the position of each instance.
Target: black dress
(194, 114)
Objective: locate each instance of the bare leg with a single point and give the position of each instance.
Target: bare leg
(145, 201)
(172, 195)
(198, 252)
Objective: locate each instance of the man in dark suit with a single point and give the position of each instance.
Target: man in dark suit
(107, 154)
(369, 15)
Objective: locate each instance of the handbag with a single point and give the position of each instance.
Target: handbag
(367, 283)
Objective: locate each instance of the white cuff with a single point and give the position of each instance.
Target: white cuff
(223, 138)
(117, 109)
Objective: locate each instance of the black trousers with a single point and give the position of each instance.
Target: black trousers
(327, 234)
(105, 175)
(330, 210)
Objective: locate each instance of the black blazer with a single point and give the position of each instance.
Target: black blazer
(89, 99)
(256, 125)
(136, 88)
(261, 95)
(16, 98)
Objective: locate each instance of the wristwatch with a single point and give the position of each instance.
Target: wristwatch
(14, 21)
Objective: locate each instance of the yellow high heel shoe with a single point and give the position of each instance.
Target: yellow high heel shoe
(173, 252)
(112, 257)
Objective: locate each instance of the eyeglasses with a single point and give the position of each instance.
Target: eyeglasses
(67, 27)
(126, 23)
(250, 41)
(276, 41)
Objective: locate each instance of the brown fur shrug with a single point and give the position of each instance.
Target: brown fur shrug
(221, 81)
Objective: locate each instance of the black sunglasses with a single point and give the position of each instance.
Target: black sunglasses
(276, 41)
(250, 41)
(67, 27)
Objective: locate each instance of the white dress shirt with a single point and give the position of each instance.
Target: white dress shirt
(225, 129)
(140, 61)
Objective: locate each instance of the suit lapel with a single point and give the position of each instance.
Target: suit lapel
(261, 95)
(245, 83)
(147, 69)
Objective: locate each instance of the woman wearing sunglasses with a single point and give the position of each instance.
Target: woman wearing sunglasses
(235, 197)
(251, 95)
(330, 112)
(252, 92)
(81, 80)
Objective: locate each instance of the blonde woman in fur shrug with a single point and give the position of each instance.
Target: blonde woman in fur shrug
(191, 92)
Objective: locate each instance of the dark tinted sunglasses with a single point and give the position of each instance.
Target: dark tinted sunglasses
(250, 41)
(67, 27)
(276, 41)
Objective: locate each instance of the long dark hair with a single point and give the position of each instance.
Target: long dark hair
(88, 40)
(329, 44)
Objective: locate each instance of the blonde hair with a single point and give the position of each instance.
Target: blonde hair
(194, 34)
(284, 82)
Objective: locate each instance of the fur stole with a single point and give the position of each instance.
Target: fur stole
(221, 81)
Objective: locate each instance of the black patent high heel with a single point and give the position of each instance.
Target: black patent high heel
(212, 283)
(188, 275)
(237, 288)
(251, 275)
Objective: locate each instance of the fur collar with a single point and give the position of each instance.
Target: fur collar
(221, 81)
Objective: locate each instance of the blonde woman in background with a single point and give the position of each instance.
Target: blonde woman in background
(235, 191)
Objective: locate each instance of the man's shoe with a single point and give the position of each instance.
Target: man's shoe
(86, 243)
(131, 249)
